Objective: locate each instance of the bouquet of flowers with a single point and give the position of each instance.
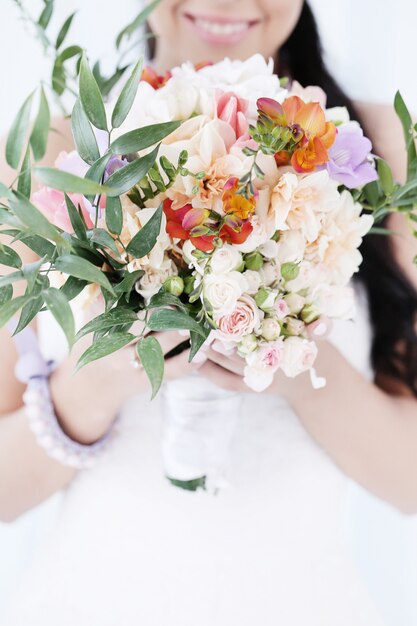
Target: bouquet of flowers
(214, 199)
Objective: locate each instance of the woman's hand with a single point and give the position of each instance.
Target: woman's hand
(88, 401)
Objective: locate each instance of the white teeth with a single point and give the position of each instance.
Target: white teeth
(216, 28)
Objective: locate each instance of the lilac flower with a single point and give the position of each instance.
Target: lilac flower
(115, 163)
(349, 158)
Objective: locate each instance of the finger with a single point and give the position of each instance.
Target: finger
(236, 366)
(169, 340)
(221, 377)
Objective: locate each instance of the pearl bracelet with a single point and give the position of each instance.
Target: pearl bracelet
(35, 372)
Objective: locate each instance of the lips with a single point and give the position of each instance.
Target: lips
(220, 30)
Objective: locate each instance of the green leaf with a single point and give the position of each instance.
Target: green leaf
(77, 221)
(83, 269)
(64, 31)
(289, 271)
(84, 137)
(6, 294)
(103, 239)
(69, 53)
(144, 241)
(103, 347)
(10, 258)
(59, 80)
(31, 273)
(405, 190)
(7, 217)
(407, 124)
(371, 191)
(28, 314)
(137, 22)
(16, 138)
(91, 98)
(128, 282)
(33, 218)
(9, 279)
(41, 247)
(46, 15)
(24, 184)
(386, 177)
(152, 358)
(8, 310)
(143, 138)
(58, 305)
(128, 176)
(63, 181)
(162, 298)
(109, 321)
(40, 132)
(127, 96)
(5, 192)
(168, 319)
(114, 215)
(197, 342)
(73, 287)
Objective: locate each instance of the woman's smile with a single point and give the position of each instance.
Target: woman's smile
(217, 29)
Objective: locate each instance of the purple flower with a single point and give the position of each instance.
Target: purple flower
(115, 163)
(349, 158)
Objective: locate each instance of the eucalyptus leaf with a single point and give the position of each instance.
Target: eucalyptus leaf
(90, 96)
(128, 283)
(6, 294)
(8, 310)
(64, 31)
(5, 192)
(46, 14)
(73, 287)
(169, 319)
(58, 305)
(152, 358)
(40, 132)
(24, 183)
(17, 135)
(33, 218)
(28, 314)
(69, 183)
(102, 238)
(128, 176)
(84, 137)
(41, 247)
(144, 241)
(143, 138)
(83, 269)
(9, 279)
(407, 124)
(108, 321)
(69, 53)
(162, 299)
(197, 341)
(77, 221)
(137, 22)
(127, 96)
(103, 347)
(114, 215)
(59, 79)
(10, 258)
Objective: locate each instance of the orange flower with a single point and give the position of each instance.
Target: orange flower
(308, 123)
(150, 76)
(236, 203)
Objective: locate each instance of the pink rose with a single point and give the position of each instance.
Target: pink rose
(232, 110)
(243, 320)
(262, 364)
(282, 309)
(299, 356)
(52, 204)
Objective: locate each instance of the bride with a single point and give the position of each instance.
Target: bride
(263, 544)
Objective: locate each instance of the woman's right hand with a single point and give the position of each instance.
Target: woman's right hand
(87, 402)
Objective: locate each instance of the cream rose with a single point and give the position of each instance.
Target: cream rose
(222, 291)
(225, 259)
(299, 356)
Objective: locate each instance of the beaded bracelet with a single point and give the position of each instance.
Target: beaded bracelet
(34, 371)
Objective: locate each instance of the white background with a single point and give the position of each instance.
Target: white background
(370, 46)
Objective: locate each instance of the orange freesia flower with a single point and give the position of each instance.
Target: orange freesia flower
(317, 136)
(180, 223)
(236, 203)
(156, 81)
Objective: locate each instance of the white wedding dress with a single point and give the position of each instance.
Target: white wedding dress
(267, 549)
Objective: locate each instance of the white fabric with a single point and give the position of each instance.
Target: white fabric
(267, 549)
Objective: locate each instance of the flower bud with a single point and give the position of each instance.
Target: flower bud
(174, 285)
(189, 282)
(265, 299)
(294, 327)
(248, 344)
(254, 261)
(270, 329)
(295, 303)
(310, 314)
